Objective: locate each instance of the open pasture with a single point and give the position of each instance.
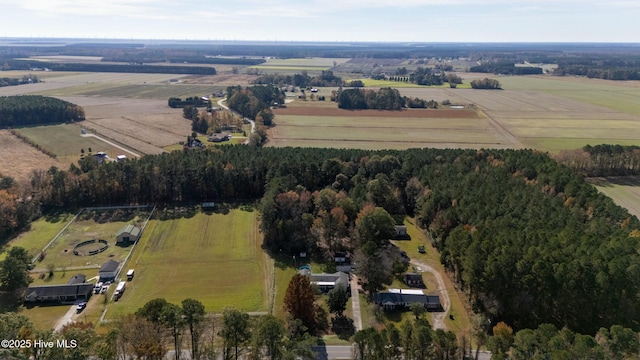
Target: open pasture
(65, 141)
(38, 235)
(624, 190)
(215, 258)
(91, 225)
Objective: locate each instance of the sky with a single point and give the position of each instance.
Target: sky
(327, 20)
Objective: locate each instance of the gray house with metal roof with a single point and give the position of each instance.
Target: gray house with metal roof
(128, 234)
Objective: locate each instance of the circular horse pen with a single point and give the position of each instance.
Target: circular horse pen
(90, 247)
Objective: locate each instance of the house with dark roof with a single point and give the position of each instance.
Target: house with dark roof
(77, 279)
(108, 271)
(75, 289)
(414, 280)
(394, 300)
(401, 233)
(128, 234)
(326, 282)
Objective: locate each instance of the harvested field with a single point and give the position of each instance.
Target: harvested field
(19, 159)
(375, 132)
(143, 125)
(410, 113)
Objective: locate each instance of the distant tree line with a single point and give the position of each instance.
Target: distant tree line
(603, 160)
(381, 99)
(195, 101)
(128, 68)
(505, 68)
(486, 84)
(37, 110)
(26, 79)
(325, 79)
(251, 101)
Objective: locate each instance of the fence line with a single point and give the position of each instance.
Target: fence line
(56, 237)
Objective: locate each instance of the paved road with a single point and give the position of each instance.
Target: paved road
(333, 352)
(67, 318)
(355, 303)
(437, 317)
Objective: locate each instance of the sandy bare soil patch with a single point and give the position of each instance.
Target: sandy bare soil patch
(19, 159)
(410, 113)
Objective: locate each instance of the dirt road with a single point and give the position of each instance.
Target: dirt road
(111, 143)
(436, 317)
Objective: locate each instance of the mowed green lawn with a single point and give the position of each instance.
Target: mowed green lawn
(213, 258)
(38, 235)
(65, 140)
(61, 251)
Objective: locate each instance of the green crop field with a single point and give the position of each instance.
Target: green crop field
(65, 140)
(214, 258)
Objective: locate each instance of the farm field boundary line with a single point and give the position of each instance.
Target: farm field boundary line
(375, 127)
(111, 143)
(412, 113)
(501, 129)
(387, 141)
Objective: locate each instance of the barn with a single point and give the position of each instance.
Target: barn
(128, 234)
(108, 270)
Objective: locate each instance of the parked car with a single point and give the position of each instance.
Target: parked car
(421, 249)
(81, 307)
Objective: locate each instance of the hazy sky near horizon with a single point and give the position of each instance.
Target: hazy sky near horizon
(328, 20)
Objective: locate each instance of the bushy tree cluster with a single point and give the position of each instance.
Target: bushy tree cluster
(194, 101)
(505, 67)
(27, 79)
(303, 80)
(37, 110)
(414, 340)
(486, 84)
(250, 101)
(603, 160)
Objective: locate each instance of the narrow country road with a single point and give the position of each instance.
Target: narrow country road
(253, 123)
(437, 317)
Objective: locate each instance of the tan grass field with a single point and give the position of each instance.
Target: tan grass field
(624, 190)
(19, 159)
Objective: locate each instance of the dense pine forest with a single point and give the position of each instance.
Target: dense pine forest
(528, 240)
(37, 110)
